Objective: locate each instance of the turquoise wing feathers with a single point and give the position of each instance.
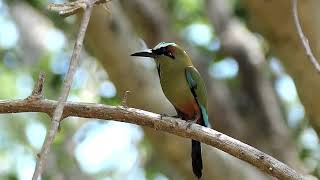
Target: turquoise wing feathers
(198, 89)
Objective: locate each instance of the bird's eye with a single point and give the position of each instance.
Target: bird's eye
(164, 51)
(169, 54)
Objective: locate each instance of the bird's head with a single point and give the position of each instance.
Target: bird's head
(166, 53)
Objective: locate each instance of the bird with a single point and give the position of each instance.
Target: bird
(184, 87)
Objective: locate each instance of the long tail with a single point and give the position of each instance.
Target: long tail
(196, 158)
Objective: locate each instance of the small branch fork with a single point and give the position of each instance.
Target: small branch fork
(264, 162)
(64, 9)
(70, 8)
(303, 38)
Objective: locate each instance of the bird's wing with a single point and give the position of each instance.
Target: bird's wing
(198, 90)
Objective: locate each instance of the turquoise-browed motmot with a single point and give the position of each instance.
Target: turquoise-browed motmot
(184, 88)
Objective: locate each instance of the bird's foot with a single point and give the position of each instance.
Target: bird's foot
(190, 122)
(163, 115)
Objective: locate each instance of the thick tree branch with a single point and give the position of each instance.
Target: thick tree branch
(57, 114)
(174, 126)
(303, 38)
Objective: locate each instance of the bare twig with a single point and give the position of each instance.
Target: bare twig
(303, 38)
(174, 126)
(70, 8)
(124, 102)
(38, 88)
(57, 114)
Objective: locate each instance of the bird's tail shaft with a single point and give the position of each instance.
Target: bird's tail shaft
(196, 158)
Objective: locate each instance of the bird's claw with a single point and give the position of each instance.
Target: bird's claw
(163, 115)
(190, 122)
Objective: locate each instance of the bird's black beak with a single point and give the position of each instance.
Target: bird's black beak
(145, 53)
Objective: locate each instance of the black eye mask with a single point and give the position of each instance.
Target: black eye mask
(163, 51)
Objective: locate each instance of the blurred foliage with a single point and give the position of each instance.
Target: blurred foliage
(20, 138)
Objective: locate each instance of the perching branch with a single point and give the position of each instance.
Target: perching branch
(58, 111)
(303, 38)
(170, 125)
